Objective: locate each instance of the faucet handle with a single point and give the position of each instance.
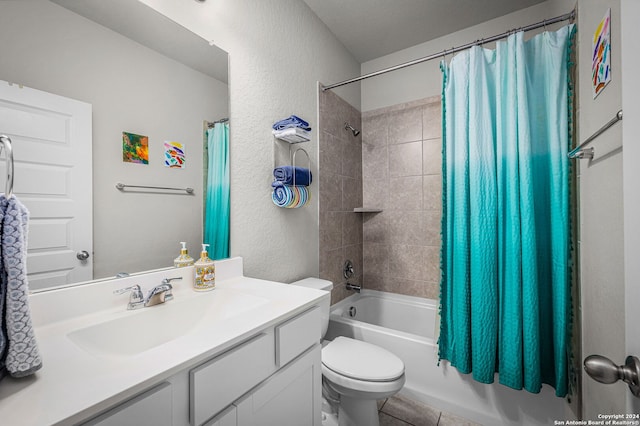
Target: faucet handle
(168, 280)
(136, 300)
(134, 288)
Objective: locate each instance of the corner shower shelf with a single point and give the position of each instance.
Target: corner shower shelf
(366, 210)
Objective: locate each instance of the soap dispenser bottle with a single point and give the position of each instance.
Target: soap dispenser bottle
(184, 259)
(205, 271)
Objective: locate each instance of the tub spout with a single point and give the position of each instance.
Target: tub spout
(354, 287)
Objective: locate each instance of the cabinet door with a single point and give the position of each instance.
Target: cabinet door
(217, 383)
(225, 418)
(153, 407)
(291, 397)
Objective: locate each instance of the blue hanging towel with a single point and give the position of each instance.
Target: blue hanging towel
(19, 353)
(285, 175)
(293, 121)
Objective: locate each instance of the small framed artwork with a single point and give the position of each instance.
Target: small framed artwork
(135, 148)
(601, 58)
(174, 155)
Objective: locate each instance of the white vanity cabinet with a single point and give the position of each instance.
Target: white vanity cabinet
(228, 417)
(291, 397)
(287, 356)
(271, 378)
(153, 407)
(220, 381)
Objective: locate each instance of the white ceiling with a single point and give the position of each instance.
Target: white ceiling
(373, 28)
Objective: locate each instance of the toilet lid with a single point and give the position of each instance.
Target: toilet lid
(361, 360)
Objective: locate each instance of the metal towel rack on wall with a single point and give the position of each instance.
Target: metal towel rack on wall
(6, 143)
(580, 152)
(122, 186)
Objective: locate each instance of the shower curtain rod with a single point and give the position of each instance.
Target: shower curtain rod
(212, 124)
(544, 23)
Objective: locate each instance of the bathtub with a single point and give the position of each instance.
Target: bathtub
(405, 325)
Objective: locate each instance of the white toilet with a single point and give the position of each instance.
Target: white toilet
(361, 373)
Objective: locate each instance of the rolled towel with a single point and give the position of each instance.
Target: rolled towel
(290, 197)
(282, 195)
(285, 174)
(305, 196)
(302, 196)
(295, 203)
(293, 121)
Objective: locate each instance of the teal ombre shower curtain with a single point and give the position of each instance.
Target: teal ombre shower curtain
(216, 215)
(505, 301)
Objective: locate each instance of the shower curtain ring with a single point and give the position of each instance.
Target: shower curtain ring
(444, 55)
(544, 24)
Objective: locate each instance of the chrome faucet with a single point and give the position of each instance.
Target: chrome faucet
(354, 287)
(136, 299)
(158, 294)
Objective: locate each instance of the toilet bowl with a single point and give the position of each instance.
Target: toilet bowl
(359, 372)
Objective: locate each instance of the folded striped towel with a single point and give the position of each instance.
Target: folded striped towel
(293, 121)
(285, 175)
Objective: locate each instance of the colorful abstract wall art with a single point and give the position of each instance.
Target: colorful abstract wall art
(135, 148)
(174, 155)
(601, 59)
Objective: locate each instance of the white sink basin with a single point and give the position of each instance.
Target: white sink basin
(132, 332)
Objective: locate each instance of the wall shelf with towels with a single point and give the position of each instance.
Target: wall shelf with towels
(293, 135)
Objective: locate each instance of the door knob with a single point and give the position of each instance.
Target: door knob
(603, 370)
(82, 255)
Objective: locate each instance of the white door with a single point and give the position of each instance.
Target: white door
(51, 138)
(630, 11)
(610, 210)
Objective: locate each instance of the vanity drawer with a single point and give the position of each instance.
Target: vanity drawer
(218, 382)
(297, 334)
(152, 407)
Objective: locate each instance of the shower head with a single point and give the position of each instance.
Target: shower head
(348, 126)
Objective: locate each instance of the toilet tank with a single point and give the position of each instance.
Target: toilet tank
(325, 306)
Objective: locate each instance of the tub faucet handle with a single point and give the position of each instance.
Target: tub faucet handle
(347, 270)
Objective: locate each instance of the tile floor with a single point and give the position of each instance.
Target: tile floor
(401, 411)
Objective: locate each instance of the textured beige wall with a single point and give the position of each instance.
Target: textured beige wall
(278, 51)
(402, 175)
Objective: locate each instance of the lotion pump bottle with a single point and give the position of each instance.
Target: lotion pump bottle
(205, 271)
(184, 259)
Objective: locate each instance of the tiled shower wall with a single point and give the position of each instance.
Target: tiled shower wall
(402, 175)
(340, 187)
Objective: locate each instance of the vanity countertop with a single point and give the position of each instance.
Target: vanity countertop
(75, 382)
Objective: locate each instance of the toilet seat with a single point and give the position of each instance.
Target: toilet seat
(361, 361)
(359, 388)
